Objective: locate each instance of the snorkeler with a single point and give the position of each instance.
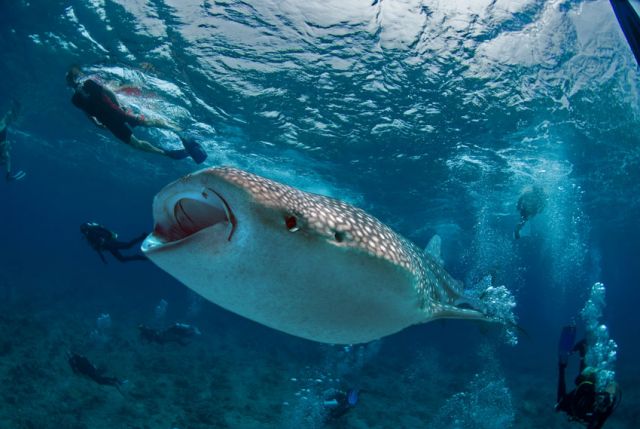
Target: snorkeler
(81, 365)
(5, 146)
(102, 106)
(531, 202)
(583, 404)
(338, 403)
(177, 333)
(101, 239)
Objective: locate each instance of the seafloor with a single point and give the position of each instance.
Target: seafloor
(238, 374)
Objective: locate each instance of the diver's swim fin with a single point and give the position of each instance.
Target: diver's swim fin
(630, 24)
(566, 343)
(177, 153)
(16, 176)
(195, 150)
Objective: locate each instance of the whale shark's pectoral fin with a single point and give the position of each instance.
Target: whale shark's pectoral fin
(461, 312)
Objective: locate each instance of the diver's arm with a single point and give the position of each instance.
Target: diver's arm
(601, 415)
(114, 88)
(101, 256)
(598, 421)
(112, 95)
(7, 157)
(516, 231)
(96, 121)
(6, 119)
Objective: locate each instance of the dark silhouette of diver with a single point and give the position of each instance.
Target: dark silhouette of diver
(531, 202)
(337, 402)
(5, 146)
(82, 366)
(583, 404)
(101, 239)
(177, 333)
(104, 108)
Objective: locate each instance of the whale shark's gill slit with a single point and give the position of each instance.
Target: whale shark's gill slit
(230, 216)
(193, 214)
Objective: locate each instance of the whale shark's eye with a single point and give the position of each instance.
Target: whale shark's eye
(292, 223)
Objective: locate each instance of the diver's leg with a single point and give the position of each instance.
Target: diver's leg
(122, 258)
(137, 240)
(562, 387)
(128, 244)
(159, 123)
(5, 158)
(144, 145)
(519, 226)
(148, 147)
(7, 163)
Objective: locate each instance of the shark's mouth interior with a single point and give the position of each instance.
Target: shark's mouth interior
(189, 213)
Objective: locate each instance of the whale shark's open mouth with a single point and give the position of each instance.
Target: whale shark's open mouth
(187, 213)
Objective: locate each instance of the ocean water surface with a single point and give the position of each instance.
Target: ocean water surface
(433, 116)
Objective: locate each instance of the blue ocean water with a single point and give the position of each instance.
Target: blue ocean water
(432, 116)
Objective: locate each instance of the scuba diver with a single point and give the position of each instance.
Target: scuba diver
(82, 366)
(630, 23)
(5, 146)
(338, 402)
(530, 203)
(583, 404)
(104, 108)
(177, 333)
(101, 239)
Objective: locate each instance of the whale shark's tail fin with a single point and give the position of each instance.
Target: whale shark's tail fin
(630, 24)
(484, 302)
(461, 312)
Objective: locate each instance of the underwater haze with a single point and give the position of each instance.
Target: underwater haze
(433, 116)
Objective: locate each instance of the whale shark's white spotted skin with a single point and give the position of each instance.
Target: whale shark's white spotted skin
(341, 253)
(357, 229)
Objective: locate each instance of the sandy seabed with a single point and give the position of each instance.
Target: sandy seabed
(233, 376)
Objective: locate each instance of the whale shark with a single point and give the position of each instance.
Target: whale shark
(302, 263)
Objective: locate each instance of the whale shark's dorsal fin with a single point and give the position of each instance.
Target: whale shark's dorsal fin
(434, 248)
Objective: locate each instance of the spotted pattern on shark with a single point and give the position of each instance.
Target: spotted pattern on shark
(346, 225)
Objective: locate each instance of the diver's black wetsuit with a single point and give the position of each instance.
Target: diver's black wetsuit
(81, 365)
(96, 101)
(100, 238)
(3, 148)
(581, 404)
(530, 203)
(338, 402)
(177, 333)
